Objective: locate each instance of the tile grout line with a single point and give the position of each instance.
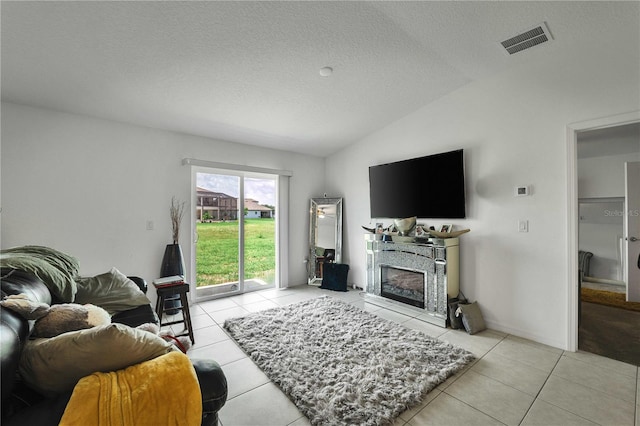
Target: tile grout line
(465, 372)
(551, 403)
(468, 405)
(537, 395)
(571, 380)
(250, 390)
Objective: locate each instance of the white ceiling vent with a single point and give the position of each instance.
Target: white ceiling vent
(529, 38)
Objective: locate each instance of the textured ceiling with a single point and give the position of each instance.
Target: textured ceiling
(248, 71)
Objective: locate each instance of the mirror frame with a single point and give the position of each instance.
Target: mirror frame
(313, 225)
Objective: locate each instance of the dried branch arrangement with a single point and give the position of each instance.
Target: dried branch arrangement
(177, 212)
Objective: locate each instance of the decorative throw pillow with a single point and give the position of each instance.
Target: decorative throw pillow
(54, 365)
(112, 291)
(334, 276)
(57, 319)
(472, 317)
(67, 317)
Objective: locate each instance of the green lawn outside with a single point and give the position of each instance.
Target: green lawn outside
(217, 251)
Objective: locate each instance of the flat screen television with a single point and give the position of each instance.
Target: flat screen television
(430, 187)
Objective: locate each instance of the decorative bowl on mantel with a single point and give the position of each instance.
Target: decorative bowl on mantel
(452, 234)
(402, 239)
(405, 225)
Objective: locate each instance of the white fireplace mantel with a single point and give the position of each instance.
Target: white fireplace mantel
(438, 260)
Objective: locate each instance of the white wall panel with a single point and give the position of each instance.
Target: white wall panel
(512, 127)
(88, 187)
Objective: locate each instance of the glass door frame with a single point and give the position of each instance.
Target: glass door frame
(195, 170)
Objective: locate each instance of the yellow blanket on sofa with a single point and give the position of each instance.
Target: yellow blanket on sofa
(162, 391)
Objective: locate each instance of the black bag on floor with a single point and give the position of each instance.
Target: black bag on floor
(334, 276)
(455, 321)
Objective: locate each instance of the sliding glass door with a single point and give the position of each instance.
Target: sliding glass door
(259, 233)
(235, 227)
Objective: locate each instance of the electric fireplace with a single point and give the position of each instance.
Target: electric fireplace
(413, 277)
(403, 285)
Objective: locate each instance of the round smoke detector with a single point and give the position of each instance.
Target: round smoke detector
(326, 71)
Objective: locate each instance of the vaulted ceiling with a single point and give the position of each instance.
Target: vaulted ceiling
(249, 72)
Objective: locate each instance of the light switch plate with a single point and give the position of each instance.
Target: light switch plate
(523, 225)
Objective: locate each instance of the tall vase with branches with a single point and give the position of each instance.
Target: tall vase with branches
(173, 261)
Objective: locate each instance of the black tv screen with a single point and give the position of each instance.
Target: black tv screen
(430, 187)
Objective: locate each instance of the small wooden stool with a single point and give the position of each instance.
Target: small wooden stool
(165, 292)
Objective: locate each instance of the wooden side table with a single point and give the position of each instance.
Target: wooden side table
(165, 292)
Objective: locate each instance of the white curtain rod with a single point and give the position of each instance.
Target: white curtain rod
(217, 165)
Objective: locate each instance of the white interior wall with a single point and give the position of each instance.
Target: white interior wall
(603, 177)
(604, 242)
(512, 127)
(599, 233)
(88, 187)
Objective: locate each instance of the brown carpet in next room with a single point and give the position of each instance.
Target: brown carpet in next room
(616, 299)
(610, 332)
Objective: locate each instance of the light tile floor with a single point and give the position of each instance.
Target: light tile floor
(513, 382)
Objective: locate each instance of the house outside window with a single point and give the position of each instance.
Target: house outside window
(215, 206)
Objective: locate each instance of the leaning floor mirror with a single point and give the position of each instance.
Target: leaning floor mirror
(325, 235)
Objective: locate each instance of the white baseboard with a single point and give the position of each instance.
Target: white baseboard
(545, 340)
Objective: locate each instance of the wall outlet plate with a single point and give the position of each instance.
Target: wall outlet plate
(521, 191)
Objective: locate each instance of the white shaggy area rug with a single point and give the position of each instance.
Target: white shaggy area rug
(342, 365)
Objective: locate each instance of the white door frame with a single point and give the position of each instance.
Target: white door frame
(572, 212)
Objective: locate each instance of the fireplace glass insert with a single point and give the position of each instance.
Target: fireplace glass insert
(402, 285)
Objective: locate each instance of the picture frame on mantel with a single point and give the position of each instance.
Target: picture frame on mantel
(420, 231)
(446, 227)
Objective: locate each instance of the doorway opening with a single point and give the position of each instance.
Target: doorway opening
(236, 242)
(601, 244)
(599, 226)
